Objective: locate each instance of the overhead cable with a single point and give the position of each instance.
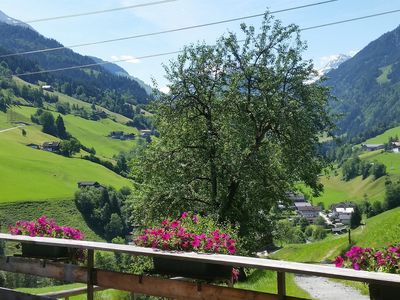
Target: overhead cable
(163, 31)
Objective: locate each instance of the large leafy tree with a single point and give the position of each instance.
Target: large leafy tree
(238, 130)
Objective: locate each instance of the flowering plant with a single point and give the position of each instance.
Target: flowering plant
(45, 227)
(190, 232)
(369, 259)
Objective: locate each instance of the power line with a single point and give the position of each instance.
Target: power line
(178, 51)
(351, 20)
(164, 31)
(98, 11)
(97, 64)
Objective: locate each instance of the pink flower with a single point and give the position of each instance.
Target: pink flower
(184, 215)
(339, 262)
(175, 223)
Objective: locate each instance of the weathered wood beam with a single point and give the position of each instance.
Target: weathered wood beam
(176, 289)
(281, 281)
(230, 260)
(43, 268)
(15, 295)
(149, 285)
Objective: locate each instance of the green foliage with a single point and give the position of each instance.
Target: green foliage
(356, 217)
(232, 131)
(287, 233)
(70, 147)
(303, 223)
(61, 131)
(354, 167)
(47, 120)
(392, 198)
(102, 209)
(320, 221)
(319, 233)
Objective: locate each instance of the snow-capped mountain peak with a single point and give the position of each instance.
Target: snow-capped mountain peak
(11, 21)
(333, 62)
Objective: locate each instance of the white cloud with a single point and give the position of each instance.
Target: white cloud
(126, 58)
(164, 89)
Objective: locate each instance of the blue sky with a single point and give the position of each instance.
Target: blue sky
(322, 43)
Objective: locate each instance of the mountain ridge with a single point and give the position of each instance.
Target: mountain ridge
(367, 87)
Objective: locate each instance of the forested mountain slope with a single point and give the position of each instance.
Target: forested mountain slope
(95, 84)
(368, 88)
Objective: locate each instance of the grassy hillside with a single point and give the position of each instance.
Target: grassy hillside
(67, 99)
(63, 211)
(384, 137)
(89, 133)
(379, 231)
(337, 190)
(27, 174)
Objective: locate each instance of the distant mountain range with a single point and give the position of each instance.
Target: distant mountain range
(367, 87)
(108, 85)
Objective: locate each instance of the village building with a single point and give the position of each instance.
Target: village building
(145, 133)
(34, 146)
(101, 114)
(116, 135)
(342, 212)
(51, 146)
(86, 184)
(47, 88)
(311, 213)
(372, 147)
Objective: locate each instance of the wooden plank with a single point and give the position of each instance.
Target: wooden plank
(71, 292)
(15, 295)
(38, 267)
(90, 279)
(231, 260)
(281, 285)
(176, 289)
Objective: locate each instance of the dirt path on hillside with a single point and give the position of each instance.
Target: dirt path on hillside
(12, 128)
(325, 289)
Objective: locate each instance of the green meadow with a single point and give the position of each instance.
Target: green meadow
(337, 190)
(384, 137)
(64, 212)
(89, 133)
(28, 174)
(378, 231)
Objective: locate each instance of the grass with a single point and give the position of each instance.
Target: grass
(28, 174)
(265, 281)
(67, 99)
(379, 231)
(384, 137)
(107, 294)
(89, 133)
(63, 211)
(383, 78)
(337, 190)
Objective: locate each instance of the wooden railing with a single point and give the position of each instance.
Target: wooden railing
(164, 287)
